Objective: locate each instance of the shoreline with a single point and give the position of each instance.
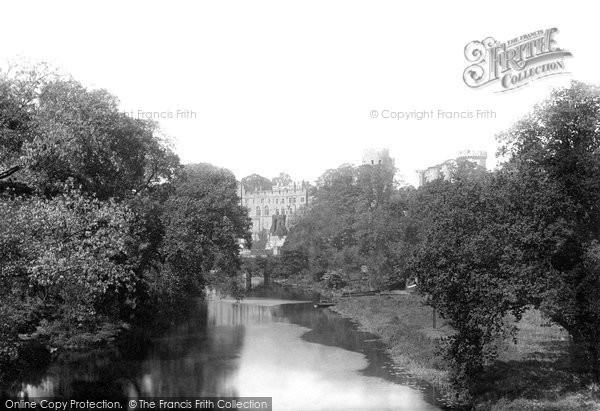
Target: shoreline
(401, 350)
(531, 374)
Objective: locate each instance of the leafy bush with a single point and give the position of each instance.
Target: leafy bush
(334, 279)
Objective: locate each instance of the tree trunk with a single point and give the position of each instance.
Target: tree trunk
(584, 355)
(248, 280)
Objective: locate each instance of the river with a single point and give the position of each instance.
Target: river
(305, 358)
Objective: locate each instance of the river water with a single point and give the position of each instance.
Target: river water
(305, 358)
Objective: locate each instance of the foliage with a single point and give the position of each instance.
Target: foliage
(334, 279)
(255, 182)
(463, 265)
(203, 225)
(71, 248)
(554, 156)
(282, 180)
(259, 246)
(357, 219)
(293, 262)
(99, 220)
(527, 233)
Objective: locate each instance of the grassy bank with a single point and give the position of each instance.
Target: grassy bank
(405, 325)
(533, 374)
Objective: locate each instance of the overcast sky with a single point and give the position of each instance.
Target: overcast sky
(289, 86)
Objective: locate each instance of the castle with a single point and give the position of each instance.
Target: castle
(275, 211)
(375, 156)
(443, 170)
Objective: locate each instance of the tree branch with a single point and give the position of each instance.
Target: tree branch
(9, 172)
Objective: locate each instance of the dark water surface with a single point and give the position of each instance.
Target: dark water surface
(305, 358)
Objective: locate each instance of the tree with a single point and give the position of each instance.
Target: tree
(101, 219)
(20, 87)
(464, 266)
(255, 182)
(258, 246)
(553, 155)
(357, 219)
(81, 134)
(53, 129)
(524, 235)
(65, 267)
(203, 225)
(282, 180)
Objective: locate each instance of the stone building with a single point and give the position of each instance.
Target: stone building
(275, 211)
(443, 169)
(374, 156)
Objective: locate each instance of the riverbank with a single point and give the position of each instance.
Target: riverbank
(40, 342)
(405, 325)
(533, 374)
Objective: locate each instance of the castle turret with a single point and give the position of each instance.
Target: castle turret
(374, 156)
(477, 157)
(443, 169)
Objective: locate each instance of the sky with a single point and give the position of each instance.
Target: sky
(271, 86)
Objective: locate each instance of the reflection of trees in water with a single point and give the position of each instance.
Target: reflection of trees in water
(190, 359)
(97, 373)
(283, 293)
(199, 356)
(224, 314)
(196, 359)
(29, 369)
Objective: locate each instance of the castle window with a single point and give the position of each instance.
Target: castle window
(262, 200)
(372, 161)
(258, 211)
(266, 210)
(276, 201)
(302, 199)
(283, 201)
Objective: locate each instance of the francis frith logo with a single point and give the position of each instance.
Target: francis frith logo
(516, 62)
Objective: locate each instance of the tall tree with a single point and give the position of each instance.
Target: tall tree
(526, 234)
(465, 266)
(203, 225)
(282, 180)
(554, 156)
(256, 182)
(81, 134)
(356, 220)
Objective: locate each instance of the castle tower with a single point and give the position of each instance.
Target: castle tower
(374, 156)
(443, 169)
(477, 157)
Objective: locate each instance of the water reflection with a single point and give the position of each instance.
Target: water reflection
(305, 358)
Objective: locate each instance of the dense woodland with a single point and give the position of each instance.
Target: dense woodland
(100, 222)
